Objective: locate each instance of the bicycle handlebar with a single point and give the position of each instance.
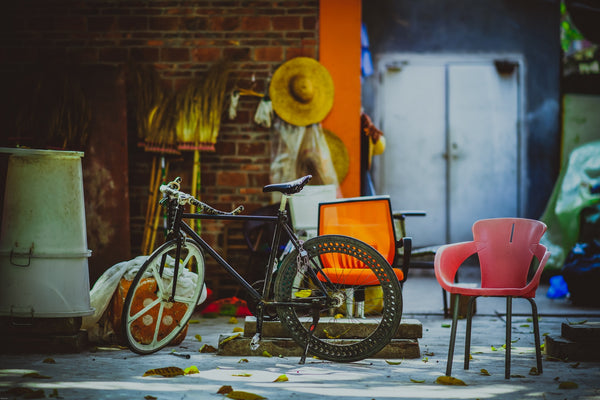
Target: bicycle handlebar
(171, 189)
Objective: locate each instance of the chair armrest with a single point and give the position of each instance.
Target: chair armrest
(406, 244)
(448, 259)
(401, 215)
(542, 254)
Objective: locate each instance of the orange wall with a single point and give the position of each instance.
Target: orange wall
(339, 52)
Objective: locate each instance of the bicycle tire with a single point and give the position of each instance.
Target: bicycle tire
(147, 299)
(340, 342)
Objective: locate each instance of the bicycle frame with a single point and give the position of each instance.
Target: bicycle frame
(280, 225)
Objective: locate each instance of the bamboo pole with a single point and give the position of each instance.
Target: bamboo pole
(150, 205)
(165, 171)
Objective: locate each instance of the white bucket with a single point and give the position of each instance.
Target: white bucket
(43, 242)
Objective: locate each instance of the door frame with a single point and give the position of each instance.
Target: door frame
(398, 59)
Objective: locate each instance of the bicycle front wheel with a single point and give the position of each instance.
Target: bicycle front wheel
(151, 319)
(360, 302)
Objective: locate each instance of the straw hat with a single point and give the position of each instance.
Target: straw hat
(301, 91)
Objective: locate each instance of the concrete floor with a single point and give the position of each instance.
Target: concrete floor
(110, 373)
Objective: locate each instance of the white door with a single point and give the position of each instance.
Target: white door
(452, 131)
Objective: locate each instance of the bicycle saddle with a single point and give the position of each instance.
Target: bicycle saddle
(288, 187)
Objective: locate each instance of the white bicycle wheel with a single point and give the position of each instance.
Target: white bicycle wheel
(151, 319)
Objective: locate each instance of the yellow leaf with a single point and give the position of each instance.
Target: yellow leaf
(193, 321)
(494, 349)
(393, 362)
(228, 338)
(240, 395)
(281, 378)
(578, 322)
(233, 320)
(417, 380)
(338, 316)
(425, 359)
(167, 372)
(303, 293)
(198, 338)
(238, 329)
(448, 380)
(484, 372)
(534, 371)
(266, 354)
(243, 375)
(191, 370)
(225, 389)
(568, 385)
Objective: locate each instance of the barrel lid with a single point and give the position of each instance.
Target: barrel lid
(18, 151)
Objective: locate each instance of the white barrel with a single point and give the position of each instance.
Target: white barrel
(43, 241)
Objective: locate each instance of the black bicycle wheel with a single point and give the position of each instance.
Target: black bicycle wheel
(150, 321)
(352, 265)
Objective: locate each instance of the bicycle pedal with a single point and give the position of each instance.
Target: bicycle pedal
(255, 342)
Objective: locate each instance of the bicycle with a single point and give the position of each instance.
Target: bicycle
(171, 280)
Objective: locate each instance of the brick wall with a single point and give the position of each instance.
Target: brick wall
(181, 39)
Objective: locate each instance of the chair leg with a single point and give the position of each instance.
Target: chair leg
(508, 336)
(468, 333)
(453, 335)
(445, 300)
(536, 332)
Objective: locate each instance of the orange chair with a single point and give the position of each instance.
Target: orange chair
(506, 248)
(368, 219)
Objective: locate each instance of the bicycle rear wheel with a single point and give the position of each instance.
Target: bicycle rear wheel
(150, 320)
(357, 266)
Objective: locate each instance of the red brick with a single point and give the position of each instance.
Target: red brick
(287, 23)
(255, 23)
(155, 42)
(206, 54)
(70, 23)
(235, 179)
(268, 54)
(226, 24)
(174, 54)
(309, 23)
(144, 54)
(251, 149)
(292, 52)
(237, 54)
(101, 24)
(113, 54)
(164, 23)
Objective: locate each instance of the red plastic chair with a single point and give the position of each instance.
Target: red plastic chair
(369, 219)
(506, 248)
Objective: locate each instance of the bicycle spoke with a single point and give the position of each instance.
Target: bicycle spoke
(144, 310)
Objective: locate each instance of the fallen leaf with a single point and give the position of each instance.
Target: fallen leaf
(225, 389)
(49, 360)
(417, 380)
(574, 365)
(494, 349)
(193, 321)
(449, 380)
(393, 362)
(568, 385)
(167, 372)
(198, 338)
(266, 354)
(303, 293)
(524, 325)
(242, 375)
(228, 338)
(446, 325)
(238, 329)
(429, 354)
(233, 320)
(516, 376)
(338, 316)
(281, 378)
(191, 370)
(578, 322)
(207, 348)
(425, 359)
(36, 376)
(243, 360)
(54, 394)
(484, 372)
(240, 395)
(534, 371)
(148, 397)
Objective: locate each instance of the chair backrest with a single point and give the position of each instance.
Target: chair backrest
(506, 247)
(367, 218)
(304, 206)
